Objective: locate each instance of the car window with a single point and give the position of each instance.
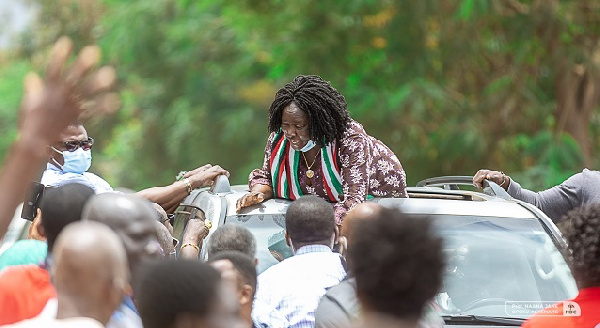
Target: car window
(268, 229)
(495, 265)
(492, 263)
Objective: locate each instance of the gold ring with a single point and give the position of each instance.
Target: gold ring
(207, 224)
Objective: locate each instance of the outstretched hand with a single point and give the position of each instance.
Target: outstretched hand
(49, 105)
(66, 93)
(496, 176)
(205, 175)
(249, 199)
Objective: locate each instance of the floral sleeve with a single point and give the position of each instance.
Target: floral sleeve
(355, 155)
(263, 175)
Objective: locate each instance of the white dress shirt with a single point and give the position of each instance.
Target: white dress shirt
(55, 177)
(295, 286)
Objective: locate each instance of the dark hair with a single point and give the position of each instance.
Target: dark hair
(325, 107)
(232, 237)
(398, 262)
(170, 288)
(582, 233)
(309, 219)
(244, 265)
(61, 206)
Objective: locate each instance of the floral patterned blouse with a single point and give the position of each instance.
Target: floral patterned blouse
(368, 167)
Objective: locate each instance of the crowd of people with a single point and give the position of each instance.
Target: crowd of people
(96, 257)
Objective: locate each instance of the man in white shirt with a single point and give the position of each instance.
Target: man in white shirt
(70, 157)
(295, 286)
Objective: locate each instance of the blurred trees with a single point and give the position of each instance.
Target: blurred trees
(450, 86)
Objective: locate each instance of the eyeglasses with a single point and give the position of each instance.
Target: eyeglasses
(170, 218)
(72, 145)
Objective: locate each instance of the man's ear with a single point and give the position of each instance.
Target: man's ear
(36, 230)
(336, 235)
(343, 245)
(39, 225)
(246, 295)
(288, 241)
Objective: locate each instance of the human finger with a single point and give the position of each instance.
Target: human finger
(197, 170)
(220, 170)
(88, 57)
(248, 200)
(34, 91)
(58, 56)
(479, 177)
(102, 80)
(259, 198)
(102, 104)
(240, 203)
(495, 176)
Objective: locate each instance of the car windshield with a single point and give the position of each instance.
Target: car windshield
(504, 267)
(501, 267)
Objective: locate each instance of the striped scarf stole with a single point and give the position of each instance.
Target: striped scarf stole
(284, 170)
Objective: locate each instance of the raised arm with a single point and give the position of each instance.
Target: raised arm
(554, 202)
(48, 107)
(169, 197)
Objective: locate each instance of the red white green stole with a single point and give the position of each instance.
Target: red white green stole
(284, 170)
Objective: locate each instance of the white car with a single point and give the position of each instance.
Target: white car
(504, 259)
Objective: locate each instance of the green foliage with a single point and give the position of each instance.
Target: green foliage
(12, 74)
(450, 86)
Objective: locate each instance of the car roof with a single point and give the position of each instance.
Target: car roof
(422, 200)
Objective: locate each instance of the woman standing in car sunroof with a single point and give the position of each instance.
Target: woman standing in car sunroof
(315, 148)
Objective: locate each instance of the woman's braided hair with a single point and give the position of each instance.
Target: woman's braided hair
(325, 107)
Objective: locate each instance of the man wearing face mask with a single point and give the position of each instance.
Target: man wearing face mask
(71, 157)
(69, 160)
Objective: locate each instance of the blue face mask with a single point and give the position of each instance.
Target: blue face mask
(77, 161)
(309, 145)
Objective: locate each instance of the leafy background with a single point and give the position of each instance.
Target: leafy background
(451, 86)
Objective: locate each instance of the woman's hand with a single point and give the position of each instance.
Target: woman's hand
(249, 199)
(497, 177)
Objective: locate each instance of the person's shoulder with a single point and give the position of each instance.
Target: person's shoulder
(586, 173)
(100, 185)
(345, 291)
(51, 177)
(340, 297)
(354, 129)
(274, 271)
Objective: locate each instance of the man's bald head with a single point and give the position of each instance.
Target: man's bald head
(165, 239)
(162, 217)
(89, 271)
(363, 211)
(132, 218)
